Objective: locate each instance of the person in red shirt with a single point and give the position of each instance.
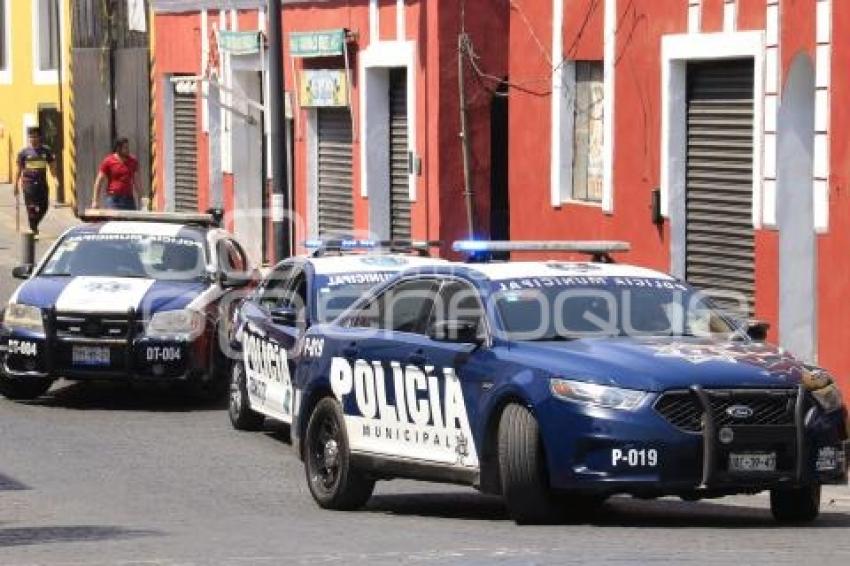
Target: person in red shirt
(119, 170)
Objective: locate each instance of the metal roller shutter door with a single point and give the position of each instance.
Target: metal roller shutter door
(185, 151)
(720, 242)
(335, 206)
(399, 151)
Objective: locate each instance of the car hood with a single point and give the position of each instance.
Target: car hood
(108, 294)
(664, 364)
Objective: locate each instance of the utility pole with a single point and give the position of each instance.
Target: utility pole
(281, 208)
(110, 40)
(464, 138)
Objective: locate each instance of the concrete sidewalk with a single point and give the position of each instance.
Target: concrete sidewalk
(58, 219)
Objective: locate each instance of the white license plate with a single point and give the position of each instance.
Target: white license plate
(752, 462)
(90, 356)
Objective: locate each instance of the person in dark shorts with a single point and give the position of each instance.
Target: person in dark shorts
(119, 170)
(33, 164)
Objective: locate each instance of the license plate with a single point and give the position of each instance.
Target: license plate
(752, 462)
(90, 356)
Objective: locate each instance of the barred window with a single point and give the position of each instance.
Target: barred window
(588, 167)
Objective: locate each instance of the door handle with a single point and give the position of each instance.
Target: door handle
(351, 350)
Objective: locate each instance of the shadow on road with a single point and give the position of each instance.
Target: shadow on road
(617, 512)
(110, 396)
(21, 536)
(11, 484)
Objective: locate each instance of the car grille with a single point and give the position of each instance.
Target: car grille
(771, 408)
(91, 326)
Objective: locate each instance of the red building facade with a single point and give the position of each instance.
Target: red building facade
(386, 161)
(715, 147)
(707, 133)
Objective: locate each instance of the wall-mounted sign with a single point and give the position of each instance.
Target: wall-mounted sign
(239, 42)
(323, 88)
(327, 43)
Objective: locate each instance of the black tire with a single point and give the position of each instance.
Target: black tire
(332, 480)
(522, 467)
(242, 416)
(796, 505)
(23, 389)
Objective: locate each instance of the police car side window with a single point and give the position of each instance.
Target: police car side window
(232, 258)
(404, 307)
(274, 288)
(458, 301)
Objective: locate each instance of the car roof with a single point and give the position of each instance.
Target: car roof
(354, 263)
(499, 271)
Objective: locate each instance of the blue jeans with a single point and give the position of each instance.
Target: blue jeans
(118, 202)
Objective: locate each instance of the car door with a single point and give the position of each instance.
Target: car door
(398, 401)
(468, 365)
(265, 341)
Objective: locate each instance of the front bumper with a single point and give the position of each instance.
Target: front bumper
(643, 454)
(130, 356)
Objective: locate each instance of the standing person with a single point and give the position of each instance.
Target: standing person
(33, 163)
(119, 170)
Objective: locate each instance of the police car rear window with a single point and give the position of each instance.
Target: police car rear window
(127, 255)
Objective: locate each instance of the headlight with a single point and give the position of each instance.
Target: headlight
(599, 395)
(184, 323)
(24, 317)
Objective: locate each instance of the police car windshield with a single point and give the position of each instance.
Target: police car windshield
(127, 255)
(335, 293)
(571, 308)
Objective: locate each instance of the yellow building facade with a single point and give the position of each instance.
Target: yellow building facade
(34, 78)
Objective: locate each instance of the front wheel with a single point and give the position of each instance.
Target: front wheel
(796, 505)
(332, 480)
(23, 389)
(242, 416)
(522, 466)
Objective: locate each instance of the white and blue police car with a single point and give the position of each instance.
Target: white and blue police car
(297, 293)
(558, 384)
(124, 296)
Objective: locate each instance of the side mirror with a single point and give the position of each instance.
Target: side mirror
(234, 280)
(455, 331)
(757, 329)
(284, 316)
(22, 271)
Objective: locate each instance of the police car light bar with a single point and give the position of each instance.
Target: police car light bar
(320, 247)
(102, 215)
(601, 250)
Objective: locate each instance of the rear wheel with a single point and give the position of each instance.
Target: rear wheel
(796, 505)
(332, 480)
(23, 389)
(522, 466)
(242, 416)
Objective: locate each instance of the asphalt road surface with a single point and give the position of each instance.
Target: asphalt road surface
(107, 474)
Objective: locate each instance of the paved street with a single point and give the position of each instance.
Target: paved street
(106, 474)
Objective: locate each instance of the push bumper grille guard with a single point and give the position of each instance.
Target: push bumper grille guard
(51, 340)
(710, 434)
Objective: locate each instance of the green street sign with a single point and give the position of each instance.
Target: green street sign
(326, 43)
(239, 42)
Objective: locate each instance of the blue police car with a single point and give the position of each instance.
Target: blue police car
(557, 384)
(124, 296)
(297, 293)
